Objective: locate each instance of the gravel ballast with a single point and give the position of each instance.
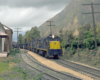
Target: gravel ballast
(57, 67)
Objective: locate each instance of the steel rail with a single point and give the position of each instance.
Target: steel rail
(51, 76)
(95, 73)
(72, 77)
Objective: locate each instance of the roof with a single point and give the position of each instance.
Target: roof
(7, 28)
(3, 34)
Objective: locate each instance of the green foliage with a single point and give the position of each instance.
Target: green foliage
(98, 41)
(3, 67)
(14, 51)
(2, 78)
(83, 31)
(68, 48)
(84, 40)
(88, 34)
(63, 43)
(68, 37)
(23, 72)
(15, 60)
(89, 43)
(61, 34)
(38, 77)
(20, 39)
(32, 34)
(74, 45)
(7, 61)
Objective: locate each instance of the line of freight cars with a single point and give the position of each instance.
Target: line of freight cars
(49, 46)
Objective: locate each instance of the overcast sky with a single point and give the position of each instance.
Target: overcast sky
(28, 13)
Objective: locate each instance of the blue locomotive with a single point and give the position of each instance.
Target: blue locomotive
(49, 46)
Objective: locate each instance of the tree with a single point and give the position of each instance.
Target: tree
(82, 30)
(61, 34)
(68, 37)
(74, 44)
(89, 43)
(34, 33)
(20, 39)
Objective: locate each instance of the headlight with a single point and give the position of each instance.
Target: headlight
(53, 36)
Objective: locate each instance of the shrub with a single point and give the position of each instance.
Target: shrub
(14, 51)
(89, 43)
(74, 45)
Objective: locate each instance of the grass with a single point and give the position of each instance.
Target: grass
(38, 77)
(23, 73)
(15, 60)
(4, 67)
(7, 65)
(90, 57)
(9, 68)
(2, 79)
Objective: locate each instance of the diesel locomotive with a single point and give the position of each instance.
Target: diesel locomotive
(49, 46)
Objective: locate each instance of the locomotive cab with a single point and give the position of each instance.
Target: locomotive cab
(55, 49)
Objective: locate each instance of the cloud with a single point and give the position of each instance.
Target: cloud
(26, 14)
(51, 4)
(25, 17)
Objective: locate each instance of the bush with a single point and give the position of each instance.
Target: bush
(14, 51)
(63, 43)
(98, 41)
(74, 45)
(89, 43)
(68, 48)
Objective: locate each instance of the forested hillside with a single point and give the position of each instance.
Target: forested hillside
(71, 18)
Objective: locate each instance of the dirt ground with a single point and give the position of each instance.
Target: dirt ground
(58, 67)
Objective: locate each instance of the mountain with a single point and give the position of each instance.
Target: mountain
(71, 18)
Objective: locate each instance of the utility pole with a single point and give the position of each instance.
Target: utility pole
(93, 20)
(50, 26)
(17, 34)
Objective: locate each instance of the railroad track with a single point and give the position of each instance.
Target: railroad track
(51, 73)
(91, 72)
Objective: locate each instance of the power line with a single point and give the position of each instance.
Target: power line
(17, 33)
(50, 26)
(93, 20)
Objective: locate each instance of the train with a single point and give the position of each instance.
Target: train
(49, 46)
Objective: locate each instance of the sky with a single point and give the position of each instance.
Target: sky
(26, 14)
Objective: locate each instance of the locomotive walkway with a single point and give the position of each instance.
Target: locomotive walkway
(58, 67)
